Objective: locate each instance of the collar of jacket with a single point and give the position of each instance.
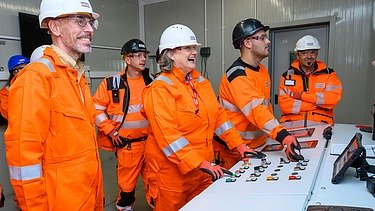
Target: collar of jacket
(60, 58)
(180, 74)
(244, 64)
(319, 66)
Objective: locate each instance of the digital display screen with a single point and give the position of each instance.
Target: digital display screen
(347, 157)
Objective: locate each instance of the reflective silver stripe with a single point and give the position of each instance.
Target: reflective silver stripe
(223, 128)
(99, 107)
(332, 87)
(282, 92)
(135, 124)
(47, 62)
(319, 98)
(300, 123)
(25, 172)
(200, 79)
(229, 106)
(116, 81)
(251, 134)
(290, 72)
(231, 70)
(246, 110)
(100, 118)
(266, 102)
(270, 125)
(175, 146)
(135, 108)
(165, 79)
(296, 106)
(116, 118)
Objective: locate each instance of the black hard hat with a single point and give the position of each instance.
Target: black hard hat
(134, 45)
(244, 29)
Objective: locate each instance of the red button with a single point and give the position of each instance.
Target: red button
(292, 177)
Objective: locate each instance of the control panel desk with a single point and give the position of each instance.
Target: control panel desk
(350, 191)
(264, 194)
(313, 188)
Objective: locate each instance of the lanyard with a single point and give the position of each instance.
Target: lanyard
(195, 93)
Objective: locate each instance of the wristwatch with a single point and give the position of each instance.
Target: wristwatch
(115, 133)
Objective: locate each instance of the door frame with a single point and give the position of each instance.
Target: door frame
(329, 20)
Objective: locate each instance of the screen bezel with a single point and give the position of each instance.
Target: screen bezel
(337, 171)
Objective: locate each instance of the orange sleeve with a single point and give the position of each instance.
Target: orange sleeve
(27, 130)
(249, 99)
(4, 94)
(287, 103)
(101, 102)
(331, 95)
(160, 107)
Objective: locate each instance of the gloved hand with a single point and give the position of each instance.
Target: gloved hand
(296, 95)
(212, 169)
(291, 145)
(115, 138)
(245, 151)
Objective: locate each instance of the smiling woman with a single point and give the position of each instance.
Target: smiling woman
(184, 114)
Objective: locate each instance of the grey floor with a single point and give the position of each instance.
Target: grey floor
(110, 187)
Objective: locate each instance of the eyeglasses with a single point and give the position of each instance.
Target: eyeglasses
(308, 52)
(189, 48)
(260, 38)
(138, 55)
(82, 21)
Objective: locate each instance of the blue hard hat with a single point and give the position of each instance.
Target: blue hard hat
(16, 60)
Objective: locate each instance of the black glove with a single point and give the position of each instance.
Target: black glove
(292, 144)
(215, 171)
(247, 152)
(116, 140)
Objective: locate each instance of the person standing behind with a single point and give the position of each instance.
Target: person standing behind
(184, 115)
(120, 97)
(245, 94)
(51, 146)
(15, 64)
(308, 90)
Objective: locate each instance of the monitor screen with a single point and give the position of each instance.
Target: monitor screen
(32, 36)
(347, 157)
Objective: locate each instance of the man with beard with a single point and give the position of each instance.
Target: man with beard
(245, 94)
(308, 90)
(122, 127)
(51, 145)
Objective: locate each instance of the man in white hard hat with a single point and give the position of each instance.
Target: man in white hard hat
(308, 90)
(50, 142)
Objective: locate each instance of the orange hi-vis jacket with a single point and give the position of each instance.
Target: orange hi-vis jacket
(4, 94)
(51, 146)
(245, 95)
(322, 91)
(181, 136)
(109, 114)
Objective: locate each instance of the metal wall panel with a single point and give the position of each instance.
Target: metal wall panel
(161, 15)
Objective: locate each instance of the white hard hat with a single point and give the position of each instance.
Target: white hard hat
(177, 35)
(38, 53)
(55, 8)
(307, 42)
